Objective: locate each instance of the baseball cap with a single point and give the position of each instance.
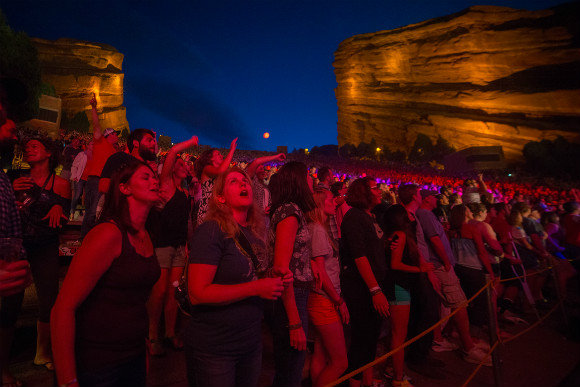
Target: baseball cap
(425, 193)
(109, 131)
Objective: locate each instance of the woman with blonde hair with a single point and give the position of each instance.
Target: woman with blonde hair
(326, 308)
(223, 339)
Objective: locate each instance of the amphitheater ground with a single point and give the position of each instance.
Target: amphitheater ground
(546, 356)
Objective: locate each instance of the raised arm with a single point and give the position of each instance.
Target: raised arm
(481, 184)
(100, 247)
(167, 171)
(97, 131)
(213, 171)
(251, 170)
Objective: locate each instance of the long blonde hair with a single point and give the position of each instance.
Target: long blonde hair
(222, 213)
(317, 215)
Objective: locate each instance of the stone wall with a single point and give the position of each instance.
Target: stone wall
(484, 76)
(77, 69)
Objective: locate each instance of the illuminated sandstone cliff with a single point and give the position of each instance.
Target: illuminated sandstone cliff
(484, 76)
(78, 68)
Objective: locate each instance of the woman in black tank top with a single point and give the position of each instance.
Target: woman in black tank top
(43, 199)
(100, 317)
(169, 232)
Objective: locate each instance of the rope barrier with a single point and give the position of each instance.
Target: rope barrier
(408, 342)
(425, 332)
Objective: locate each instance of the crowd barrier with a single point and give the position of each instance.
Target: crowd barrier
(495, 340)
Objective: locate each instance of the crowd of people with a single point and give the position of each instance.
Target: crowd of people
(302, 247)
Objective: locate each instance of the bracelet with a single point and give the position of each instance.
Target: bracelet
(70, 382)
(292, 327)
(376, 290)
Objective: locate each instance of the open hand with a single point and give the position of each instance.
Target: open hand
(23, 183)
(381, 304)
(55, 216)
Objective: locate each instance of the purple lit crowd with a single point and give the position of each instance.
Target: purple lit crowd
(321, 251)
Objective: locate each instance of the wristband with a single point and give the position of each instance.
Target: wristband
(295, 326)
(70, 382)
(376, 290)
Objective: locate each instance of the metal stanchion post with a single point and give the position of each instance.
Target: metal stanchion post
(493, 330)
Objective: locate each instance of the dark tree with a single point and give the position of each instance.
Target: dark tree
(19, 59)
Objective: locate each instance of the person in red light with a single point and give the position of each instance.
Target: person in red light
(169, 232)
(326, 307)
(100, 317)
(226, 286)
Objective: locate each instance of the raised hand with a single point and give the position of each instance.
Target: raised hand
(93, 101)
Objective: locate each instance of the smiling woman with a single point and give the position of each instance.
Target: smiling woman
(100, 318)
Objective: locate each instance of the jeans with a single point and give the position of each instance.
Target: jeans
(209, 370)
(131, 373)
(91, 200)
(78, 187)
(288, 361)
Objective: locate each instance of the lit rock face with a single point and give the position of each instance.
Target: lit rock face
(484, 76)
(77, 69)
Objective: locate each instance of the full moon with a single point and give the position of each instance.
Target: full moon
(266, 135)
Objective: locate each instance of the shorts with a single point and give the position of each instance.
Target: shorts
(451, 292)
(321, 310)
(170, 256)
(402, 296)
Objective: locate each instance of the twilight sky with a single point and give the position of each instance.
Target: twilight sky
(223, 69)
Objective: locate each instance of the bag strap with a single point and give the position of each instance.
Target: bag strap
(246, 247)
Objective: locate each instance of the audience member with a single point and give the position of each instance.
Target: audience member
(100, 318)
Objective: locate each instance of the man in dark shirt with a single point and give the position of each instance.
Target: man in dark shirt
(141, 145)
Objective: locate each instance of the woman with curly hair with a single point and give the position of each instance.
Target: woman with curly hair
(43, 199)
(363, 274)
(223, 340)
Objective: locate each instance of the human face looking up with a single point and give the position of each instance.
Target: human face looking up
(143, 186)
(35, 152)
(237, 192)
(217, 159)
(180, 169)
(376, 193)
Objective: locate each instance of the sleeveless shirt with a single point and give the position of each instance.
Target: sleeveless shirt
(112, 323)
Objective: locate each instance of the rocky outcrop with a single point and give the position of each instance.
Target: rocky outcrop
(484, 76)
(77, 69)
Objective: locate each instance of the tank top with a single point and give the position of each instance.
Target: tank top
(171, 225)
(35, 230)
(404, 279)
(466, 253)
(112, 323)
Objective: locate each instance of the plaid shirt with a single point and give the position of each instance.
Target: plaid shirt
(9, 217)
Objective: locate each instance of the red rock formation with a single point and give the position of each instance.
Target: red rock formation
(77, 69)
(483, 76)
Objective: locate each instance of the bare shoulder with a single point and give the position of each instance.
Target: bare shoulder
(62, 187)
